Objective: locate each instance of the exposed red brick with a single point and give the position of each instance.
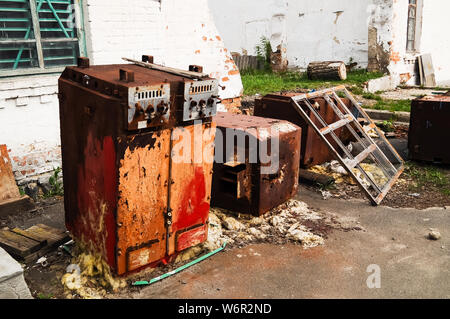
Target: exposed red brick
(232, 105)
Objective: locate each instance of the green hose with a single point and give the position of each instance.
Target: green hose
(173, 272)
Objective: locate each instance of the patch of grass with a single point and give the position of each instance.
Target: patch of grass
(426, 175)
(265, 82)
(392, 105)
(388, 125)
(372, 96)
(263, 52)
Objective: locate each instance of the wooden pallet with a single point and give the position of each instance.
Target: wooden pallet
(30, 244)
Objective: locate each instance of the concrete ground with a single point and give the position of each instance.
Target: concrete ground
(411, 266)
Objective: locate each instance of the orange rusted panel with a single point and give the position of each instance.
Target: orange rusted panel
(143, 180)
(8, 187)
(191, 188)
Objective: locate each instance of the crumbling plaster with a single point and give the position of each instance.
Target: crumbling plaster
(370, 32)
(307, 30)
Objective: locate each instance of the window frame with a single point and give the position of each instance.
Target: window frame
(417, 26)
(38, 41)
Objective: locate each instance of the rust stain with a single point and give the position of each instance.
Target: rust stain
(143, 178)
(225, 79)
(233, 72)
(95, 214)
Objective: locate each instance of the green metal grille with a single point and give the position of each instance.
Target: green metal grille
(38, 34)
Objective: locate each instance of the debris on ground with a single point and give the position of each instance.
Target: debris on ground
(326, 195)
(335, 170)
(372, 132)
(42, 261)
(434, 234)
(291, 222)
(89, 277)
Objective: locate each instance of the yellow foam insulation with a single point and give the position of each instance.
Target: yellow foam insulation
(225, 226)
(336, 171)
(90, 277)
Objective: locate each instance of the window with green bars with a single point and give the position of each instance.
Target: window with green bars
(38, 36)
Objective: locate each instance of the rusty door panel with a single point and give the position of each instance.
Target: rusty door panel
(191, 182)
(142, 204)
(89, 166)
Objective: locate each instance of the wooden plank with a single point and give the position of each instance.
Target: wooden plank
(31, 235)
(16, 206)
(52, 230)
(428, 70)
(421, 75)
(52, 235)
(18, 245)
(8, 186)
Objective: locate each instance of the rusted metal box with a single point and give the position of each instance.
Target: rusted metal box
(256, 163)
(429, 131)
(313, 151)
(126, 198)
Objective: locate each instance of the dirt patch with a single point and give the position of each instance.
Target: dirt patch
(407, 192)
(18, 220)
(45, 282)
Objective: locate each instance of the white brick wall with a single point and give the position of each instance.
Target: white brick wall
(177, 33)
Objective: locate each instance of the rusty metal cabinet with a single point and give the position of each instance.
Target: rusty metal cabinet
(428, 129)
(125, 198)
(239, 183)
(313, 151)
